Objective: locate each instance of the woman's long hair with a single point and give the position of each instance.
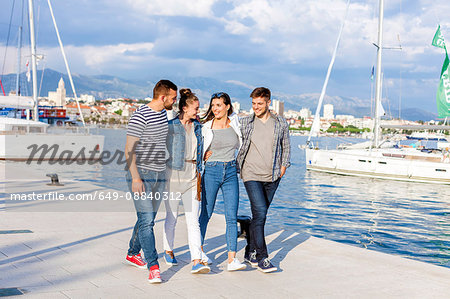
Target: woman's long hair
(226, 100)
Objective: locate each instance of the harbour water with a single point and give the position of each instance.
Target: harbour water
(411, 220)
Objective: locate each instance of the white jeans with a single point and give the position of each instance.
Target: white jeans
(192, 213)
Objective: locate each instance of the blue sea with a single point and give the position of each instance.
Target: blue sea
(411, 220)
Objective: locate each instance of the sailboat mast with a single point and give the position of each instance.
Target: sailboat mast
(19, 54)
(378, 90)
(33, 58)
(315, 127)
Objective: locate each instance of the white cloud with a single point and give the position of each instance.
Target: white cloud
(243, 84)
(425, 69)
(305, 31)
(129, 60)
(98, 58)
(284, 32)
(235, 27)
(84, 59)
(10, 60)
(197, 8)
(298, 30)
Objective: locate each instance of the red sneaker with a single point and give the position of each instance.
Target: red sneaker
(137, 261)
(155, 275)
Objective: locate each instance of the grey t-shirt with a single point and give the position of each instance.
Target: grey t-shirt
(224, 145)
(258, 164)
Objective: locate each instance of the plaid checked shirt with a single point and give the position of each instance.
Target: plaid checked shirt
(281, 143)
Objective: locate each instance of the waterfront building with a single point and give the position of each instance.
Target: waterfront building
(305, 113)
(360, 123)
(72, 109)
(99, 110)
(278, 107)
(87, 99)
(328, 111)
(126, 111)
(236, 107)
(345, 120)
(344, 117)
(292, 114)
(58, 97)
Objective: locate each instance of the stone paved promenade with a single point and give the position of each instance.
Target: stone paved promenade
(81, 255)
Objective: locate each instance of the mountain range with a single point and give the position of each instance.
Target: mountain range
(104, 86)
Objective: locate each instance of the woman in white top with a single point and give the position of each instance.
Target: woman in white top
(222, 140)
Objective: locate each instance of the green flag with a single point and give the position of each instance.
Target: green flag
(438, 39)
(443, 93)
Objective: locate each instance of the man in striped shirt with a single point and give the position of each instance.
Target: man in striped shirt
(146, 155)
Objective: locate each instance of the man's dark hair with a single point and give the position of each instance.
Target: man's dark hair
(260, 92)
(163, 87)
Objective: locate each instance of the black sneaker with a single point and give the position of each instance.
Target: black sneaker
(250, 258)
(266, 266)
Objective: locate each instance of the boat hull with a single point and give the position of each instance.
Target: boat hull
(379, 163)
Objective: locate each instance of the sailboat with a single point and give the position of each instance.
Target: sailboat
(380, 158)
(28, 140)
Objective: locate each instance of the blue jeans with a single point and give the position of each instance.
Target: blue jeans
(143, 236)
(260, 195)
(220, 175)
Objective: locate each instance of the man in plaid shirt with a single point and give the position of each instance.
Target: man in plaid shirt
(263, 159)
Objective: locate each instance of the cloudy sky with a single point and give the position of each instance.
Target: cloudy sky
(283, 44)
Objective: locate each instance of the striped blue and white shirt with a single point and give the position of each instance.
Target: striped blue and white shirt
(151, 128)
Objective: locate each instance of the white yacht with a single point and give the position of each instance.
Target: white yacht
(380, 158)
(28, 140)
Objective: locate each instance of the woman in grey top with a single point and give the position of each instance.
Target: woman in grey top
(222, 140)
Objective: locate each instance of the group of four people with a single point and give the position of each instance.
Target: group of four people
(185, 160)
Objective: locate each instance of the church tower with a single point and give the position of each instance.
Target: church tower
(58, 98)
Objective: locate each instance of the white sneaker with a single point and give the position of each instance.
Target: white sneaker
(206, 259)
(236, 265)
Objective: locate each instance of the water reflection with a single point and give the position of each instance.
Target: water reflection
(410, 219)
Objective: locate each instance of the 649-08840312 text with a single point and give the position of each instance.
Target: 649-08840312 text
(96, 195)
